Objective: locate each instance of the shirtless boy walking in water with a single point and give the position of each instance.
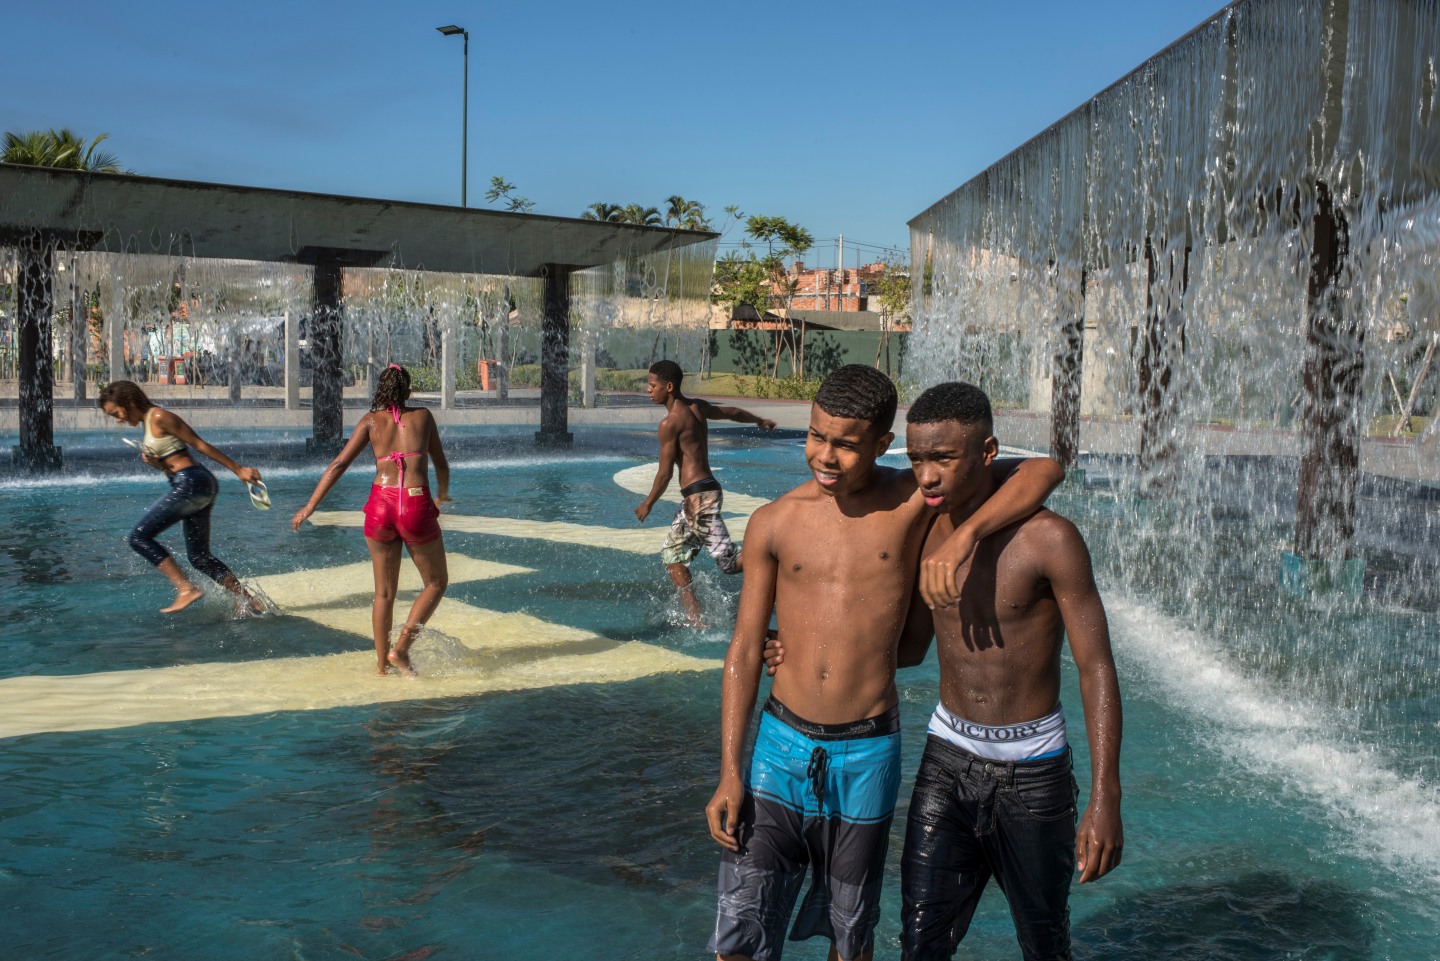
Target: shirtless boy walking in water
(835, 559)
(995, 794)
(684, 443)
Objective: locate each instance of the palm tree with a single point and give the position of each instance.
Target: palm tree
(609, 213)
(686, 214)
(58, 148)
(644, 216)
(34, 149)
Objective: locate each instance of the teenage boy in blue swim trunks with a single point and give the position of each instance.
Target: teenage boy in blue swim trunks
(835, 560)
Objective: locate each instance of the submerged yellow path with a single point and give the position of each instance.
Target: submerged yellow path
(502, 652)
(634, 539)
(476, 650)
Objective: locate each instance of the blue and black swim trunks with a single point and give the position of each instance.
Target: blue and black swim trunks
(818, 798)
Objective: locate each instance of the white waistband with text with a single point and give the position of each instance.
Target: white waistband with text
(1026, 741)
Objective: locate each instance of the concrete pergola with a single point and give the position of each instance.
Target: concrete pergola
(45, 210)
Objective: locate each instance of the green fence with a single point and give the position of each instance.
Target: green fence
(753, 351)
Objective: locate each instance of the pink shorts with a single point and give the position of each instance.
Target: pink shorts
(405, 512)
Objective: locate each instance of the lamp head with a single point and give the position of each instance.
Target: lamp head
(451, 30)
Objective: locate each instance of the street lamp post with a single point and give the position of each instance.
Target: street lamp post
(451, 31)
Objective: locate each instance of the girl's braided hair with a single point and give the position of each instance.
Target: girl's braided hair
(392, 388)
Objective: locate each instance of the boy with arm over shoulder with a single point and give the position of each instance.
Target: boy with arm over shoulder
(835, 560)
(995, 794)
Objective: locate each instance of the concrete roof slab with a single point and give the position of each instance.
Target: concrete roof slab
(130, 214)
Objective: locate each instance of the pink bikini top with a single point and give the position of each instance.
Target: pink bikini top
(396, 457)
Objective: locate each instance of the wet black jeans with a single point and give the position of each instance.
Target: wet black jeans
(971, 818)
(191, 498)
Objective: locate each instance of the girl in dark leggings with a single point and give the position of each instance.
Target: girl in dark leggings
(168, 440)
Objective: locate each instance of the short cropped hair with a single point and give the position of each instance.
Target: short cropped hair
(964, 403)
(859, 392)
(668, 371)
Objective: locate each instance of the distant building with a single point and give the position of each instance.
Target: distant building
(826, 299)
(838, 288)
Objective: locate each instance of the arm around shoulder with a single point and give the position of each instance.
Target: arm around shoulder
(1022, 490)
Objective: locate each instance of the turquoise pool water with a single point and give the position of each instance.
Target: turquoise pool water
(1279, 766)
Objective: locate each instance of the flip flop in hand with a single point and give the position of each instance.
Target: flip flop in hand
(259, 496)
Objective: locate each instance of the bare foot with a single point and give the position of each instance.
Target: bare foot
(383, 670)
(251, 606)
(399, 656)
(183, 600)
(401, 662)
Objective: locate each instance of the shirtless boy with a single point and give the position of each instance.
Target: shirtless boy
(835, 560)
(995, 794)
(684, 444)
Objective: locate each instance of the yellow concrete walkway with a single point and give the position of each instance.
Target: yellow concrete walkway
(499, 651)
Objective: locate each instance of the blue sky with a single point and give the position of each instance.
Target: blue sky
(843, 117)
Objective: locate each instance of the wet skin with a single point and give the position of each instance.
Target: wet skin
(1023, 591)
(163, 423)
(836, 560)
(684, 442)
(415, 433)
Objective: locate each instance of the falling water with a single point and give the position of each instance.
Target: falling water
(1176, 212)
(222, 331)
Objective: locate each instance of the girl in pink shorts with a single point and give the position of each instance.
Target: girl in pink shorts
(400, 510)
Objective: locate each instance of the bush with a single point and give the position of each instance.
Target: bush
(785, 388)
(424, 378)
(621, 380)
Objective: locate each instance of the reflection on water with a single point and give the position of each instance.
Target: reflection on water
(1264, 916)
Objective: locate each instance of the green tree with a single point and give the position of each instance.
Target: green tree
(783, 240)
(501, 189)
(644, 216)
(741, 280)
(58, 148)
(685, 214)
(607, 213)
(892, 290)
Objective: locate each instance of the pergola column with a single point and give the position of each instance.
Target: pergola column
(1334, 361)
(502, 349)
(555, 360)
(292, 361)
(1068, 369)
(450, 337)
(327, 363)
(35, 307)
(587, 368)
(79, 336)
(1162, 349)
(327, 382)
(115, 343)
